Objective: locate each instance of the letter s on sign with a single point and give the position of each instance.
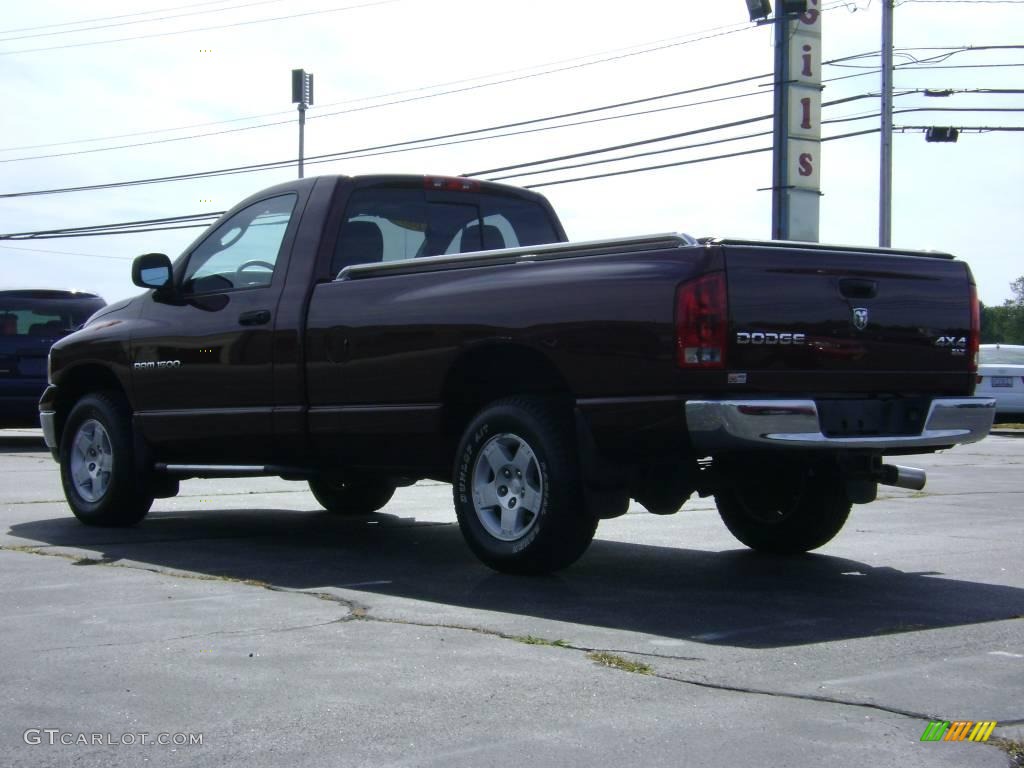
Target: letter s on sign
(810, 16)
(806, 167)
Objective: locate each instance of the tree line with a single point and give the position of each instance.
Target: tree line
(1005, 324)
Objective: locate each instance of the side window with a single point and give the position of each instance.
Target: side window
(381, 224)
(242, 252)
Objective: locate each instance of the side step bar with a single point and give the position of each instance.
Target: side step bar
(234, 470)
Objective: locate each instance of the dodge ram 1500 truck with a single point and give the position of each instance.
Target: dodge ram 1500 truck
(361, 333)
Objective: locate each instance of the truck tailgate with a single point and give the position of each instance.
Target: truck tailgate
(849, 321)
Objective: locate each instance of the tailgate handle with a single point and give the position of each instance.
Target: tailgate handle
(858, 288)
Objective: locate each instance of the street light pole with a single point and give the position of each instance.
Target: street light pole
(885, 155)
(302, 137)
(302, 94)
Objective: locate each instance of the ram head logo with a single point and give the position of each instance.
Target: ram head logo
(860, 318)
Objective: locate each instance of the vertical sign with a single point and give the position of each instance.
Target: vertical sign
(803, 172)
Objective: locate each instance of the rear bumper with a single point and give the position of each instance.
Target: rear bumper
(730, 425)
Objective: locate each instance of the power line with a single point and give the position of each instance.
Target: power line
(136, 226)
(137, 21)
(630, 145)
(384, 104)
(478, 130)
(407, 145)
(967, 2)
(671, 42)
(371, 151)
(684, 162)
(968, 128)
(355, 153)
(368, 4)
(854, 118)
(684, 40)
(632, 156)
(657, 151)
(109, 18)
(121, 228)
(62, 253)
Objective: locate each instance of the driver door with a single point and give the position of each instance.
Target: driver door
(202, 363)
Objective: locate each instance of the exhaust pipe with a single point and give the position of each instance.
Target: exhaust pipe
(903, 477)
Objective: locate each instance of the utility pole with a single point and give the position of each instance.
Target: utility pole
(302, 94)
(780, 157)
(885, 155)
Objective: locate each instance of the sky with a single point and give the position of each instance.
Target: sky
(75, 91)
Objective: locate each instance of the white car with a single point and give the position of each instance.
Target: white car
(1001, 375)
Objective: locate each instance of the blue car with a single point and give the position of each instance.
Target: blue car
(30, 322)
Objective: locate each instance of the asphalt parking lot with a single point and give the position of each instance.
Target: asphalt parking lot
(239, 615)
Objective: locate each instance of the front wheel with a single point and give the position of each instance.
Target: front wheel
(102, 483)
(351, 497)
(783, 510)
(517, 488)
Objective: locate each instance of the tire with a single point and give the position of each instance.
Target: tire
(517, 488)
(351, 497)
(102, 482)
(785, 511)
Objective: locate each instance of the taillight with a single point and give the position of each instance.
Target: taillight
(975, 338)
(702, 319)
(451, 184)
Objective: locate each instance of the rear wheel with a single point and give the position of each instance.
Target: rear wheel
(517, 488)
(782, 509)
(102, 483)
(362, 496)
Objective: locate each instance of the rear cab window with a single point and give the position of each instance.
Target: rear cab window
(386, 223)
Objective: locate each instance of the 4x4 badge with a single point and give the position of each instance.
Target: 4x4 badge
(860, 318)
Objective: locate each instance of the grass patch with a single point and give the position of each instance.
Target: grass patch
(618, 662)
(1014, 748)
(1008, 425)
(531, 640)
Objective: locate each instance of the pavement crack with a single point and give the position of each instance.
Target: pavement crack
(354, 609)
(201, 635)
(615, 659)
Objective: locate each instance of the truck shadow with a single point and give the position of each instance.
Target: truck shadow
(12, 442)
(734, 598)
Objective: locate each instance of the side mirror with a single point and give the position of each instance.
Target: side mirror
(151, 270)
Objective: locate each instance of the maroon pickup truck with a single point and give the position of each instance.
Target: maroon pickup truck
(363, 333)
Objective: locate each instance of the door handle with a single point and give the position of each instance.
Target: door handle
(256, 317)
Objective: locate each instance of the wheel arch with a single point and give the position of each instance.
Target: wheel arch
(487, 373)
(80, 381)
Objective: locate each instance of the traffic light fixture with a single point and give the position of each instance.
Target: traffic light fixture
(941, 135)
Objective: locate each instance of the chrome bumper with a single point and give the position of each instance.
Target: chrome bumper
(48, 421)
(723, 425)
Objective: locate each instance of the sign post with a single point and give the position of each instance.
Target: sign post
(800, 186)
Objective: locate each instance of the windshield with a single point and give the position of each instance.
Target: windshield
(1002, 355)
